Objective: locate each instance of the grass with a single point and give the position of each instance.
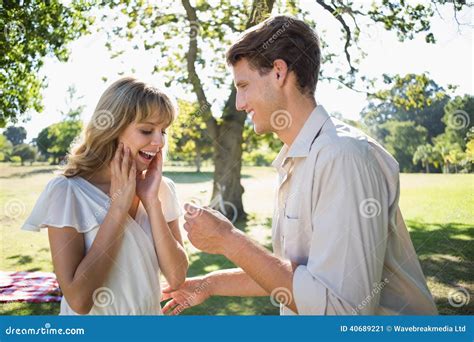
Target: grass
(437, 209)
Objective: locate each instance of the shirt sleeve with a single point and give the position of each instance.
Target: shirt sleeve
(62, 205)
(348, 243)
(169, 199)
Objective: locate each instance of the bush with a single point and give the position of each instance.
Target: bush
(262, 157)
(15, 159)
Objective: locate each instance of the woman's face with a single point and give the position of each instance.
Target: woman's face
(145, 140)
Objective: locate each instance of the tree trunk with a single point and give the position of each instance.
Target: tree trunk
(228, 155)
(226, 136)
(228, 143)
(198, 159)
(427, 168)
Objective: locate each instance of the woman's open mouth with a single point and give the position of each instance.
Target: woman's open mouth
(147, 156)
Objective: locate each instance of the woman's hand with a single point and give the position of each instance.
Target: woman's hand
(193, 292)
(123, 179)
(148, 183)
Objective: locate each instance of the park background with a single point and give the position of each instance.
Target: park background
(399, 70)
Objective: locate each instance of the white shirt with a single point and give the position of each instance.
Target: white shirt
(133, 285)
(337, 217)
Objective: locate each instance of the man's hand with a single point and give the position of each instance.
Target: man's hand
(193, 292)
(207, 228)
(211, 232)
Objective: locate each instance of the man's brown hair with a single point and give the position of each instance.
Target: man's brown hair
(281, 37)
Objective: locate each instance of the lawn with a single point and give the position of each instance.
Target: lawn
(437, 208)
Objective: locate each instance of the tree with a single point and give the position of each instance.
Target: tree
(25, 152)
(411, 97)
(63, 135)
(209, 28)
(44, 143)
(450, 145)
(32, 30)
(459, 119)
(5, 148)
(16, 135)
(425, 155)
(189, 141)
(445, 147)
(56, 139)
(402, 141)
(456, 156)
(469, 156)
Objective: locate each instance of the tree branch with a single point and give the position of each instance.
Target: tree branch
(347, 29)
(260, 10)
(193, 77)
(346, 85)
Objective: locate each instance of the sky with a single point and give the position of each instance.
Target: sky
(449, 61)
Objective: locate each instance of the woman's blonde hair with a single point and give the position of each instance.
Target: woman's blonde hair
(125, 101)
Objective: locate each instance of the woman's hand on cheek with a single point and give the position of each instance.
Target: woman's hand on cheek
(148, 183)
(123, 183)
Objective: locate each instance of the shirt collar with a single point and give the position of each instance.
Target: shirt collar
(302, 143)
(278, 162)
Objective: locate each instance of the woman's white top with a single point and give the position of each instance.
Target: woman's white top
(133, 284)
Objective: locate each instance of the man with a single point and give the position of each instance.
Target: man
(340, 244)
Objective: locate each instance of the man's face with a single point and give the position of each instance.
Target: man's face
(257, 94)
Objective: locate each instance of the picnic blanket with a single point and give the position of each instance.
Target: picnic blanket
(31, 287)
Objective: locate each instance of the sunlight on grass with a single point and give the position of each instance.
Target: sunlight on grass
(437, 209)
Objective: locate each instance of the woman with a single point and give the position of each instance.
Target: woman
(112, 218)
